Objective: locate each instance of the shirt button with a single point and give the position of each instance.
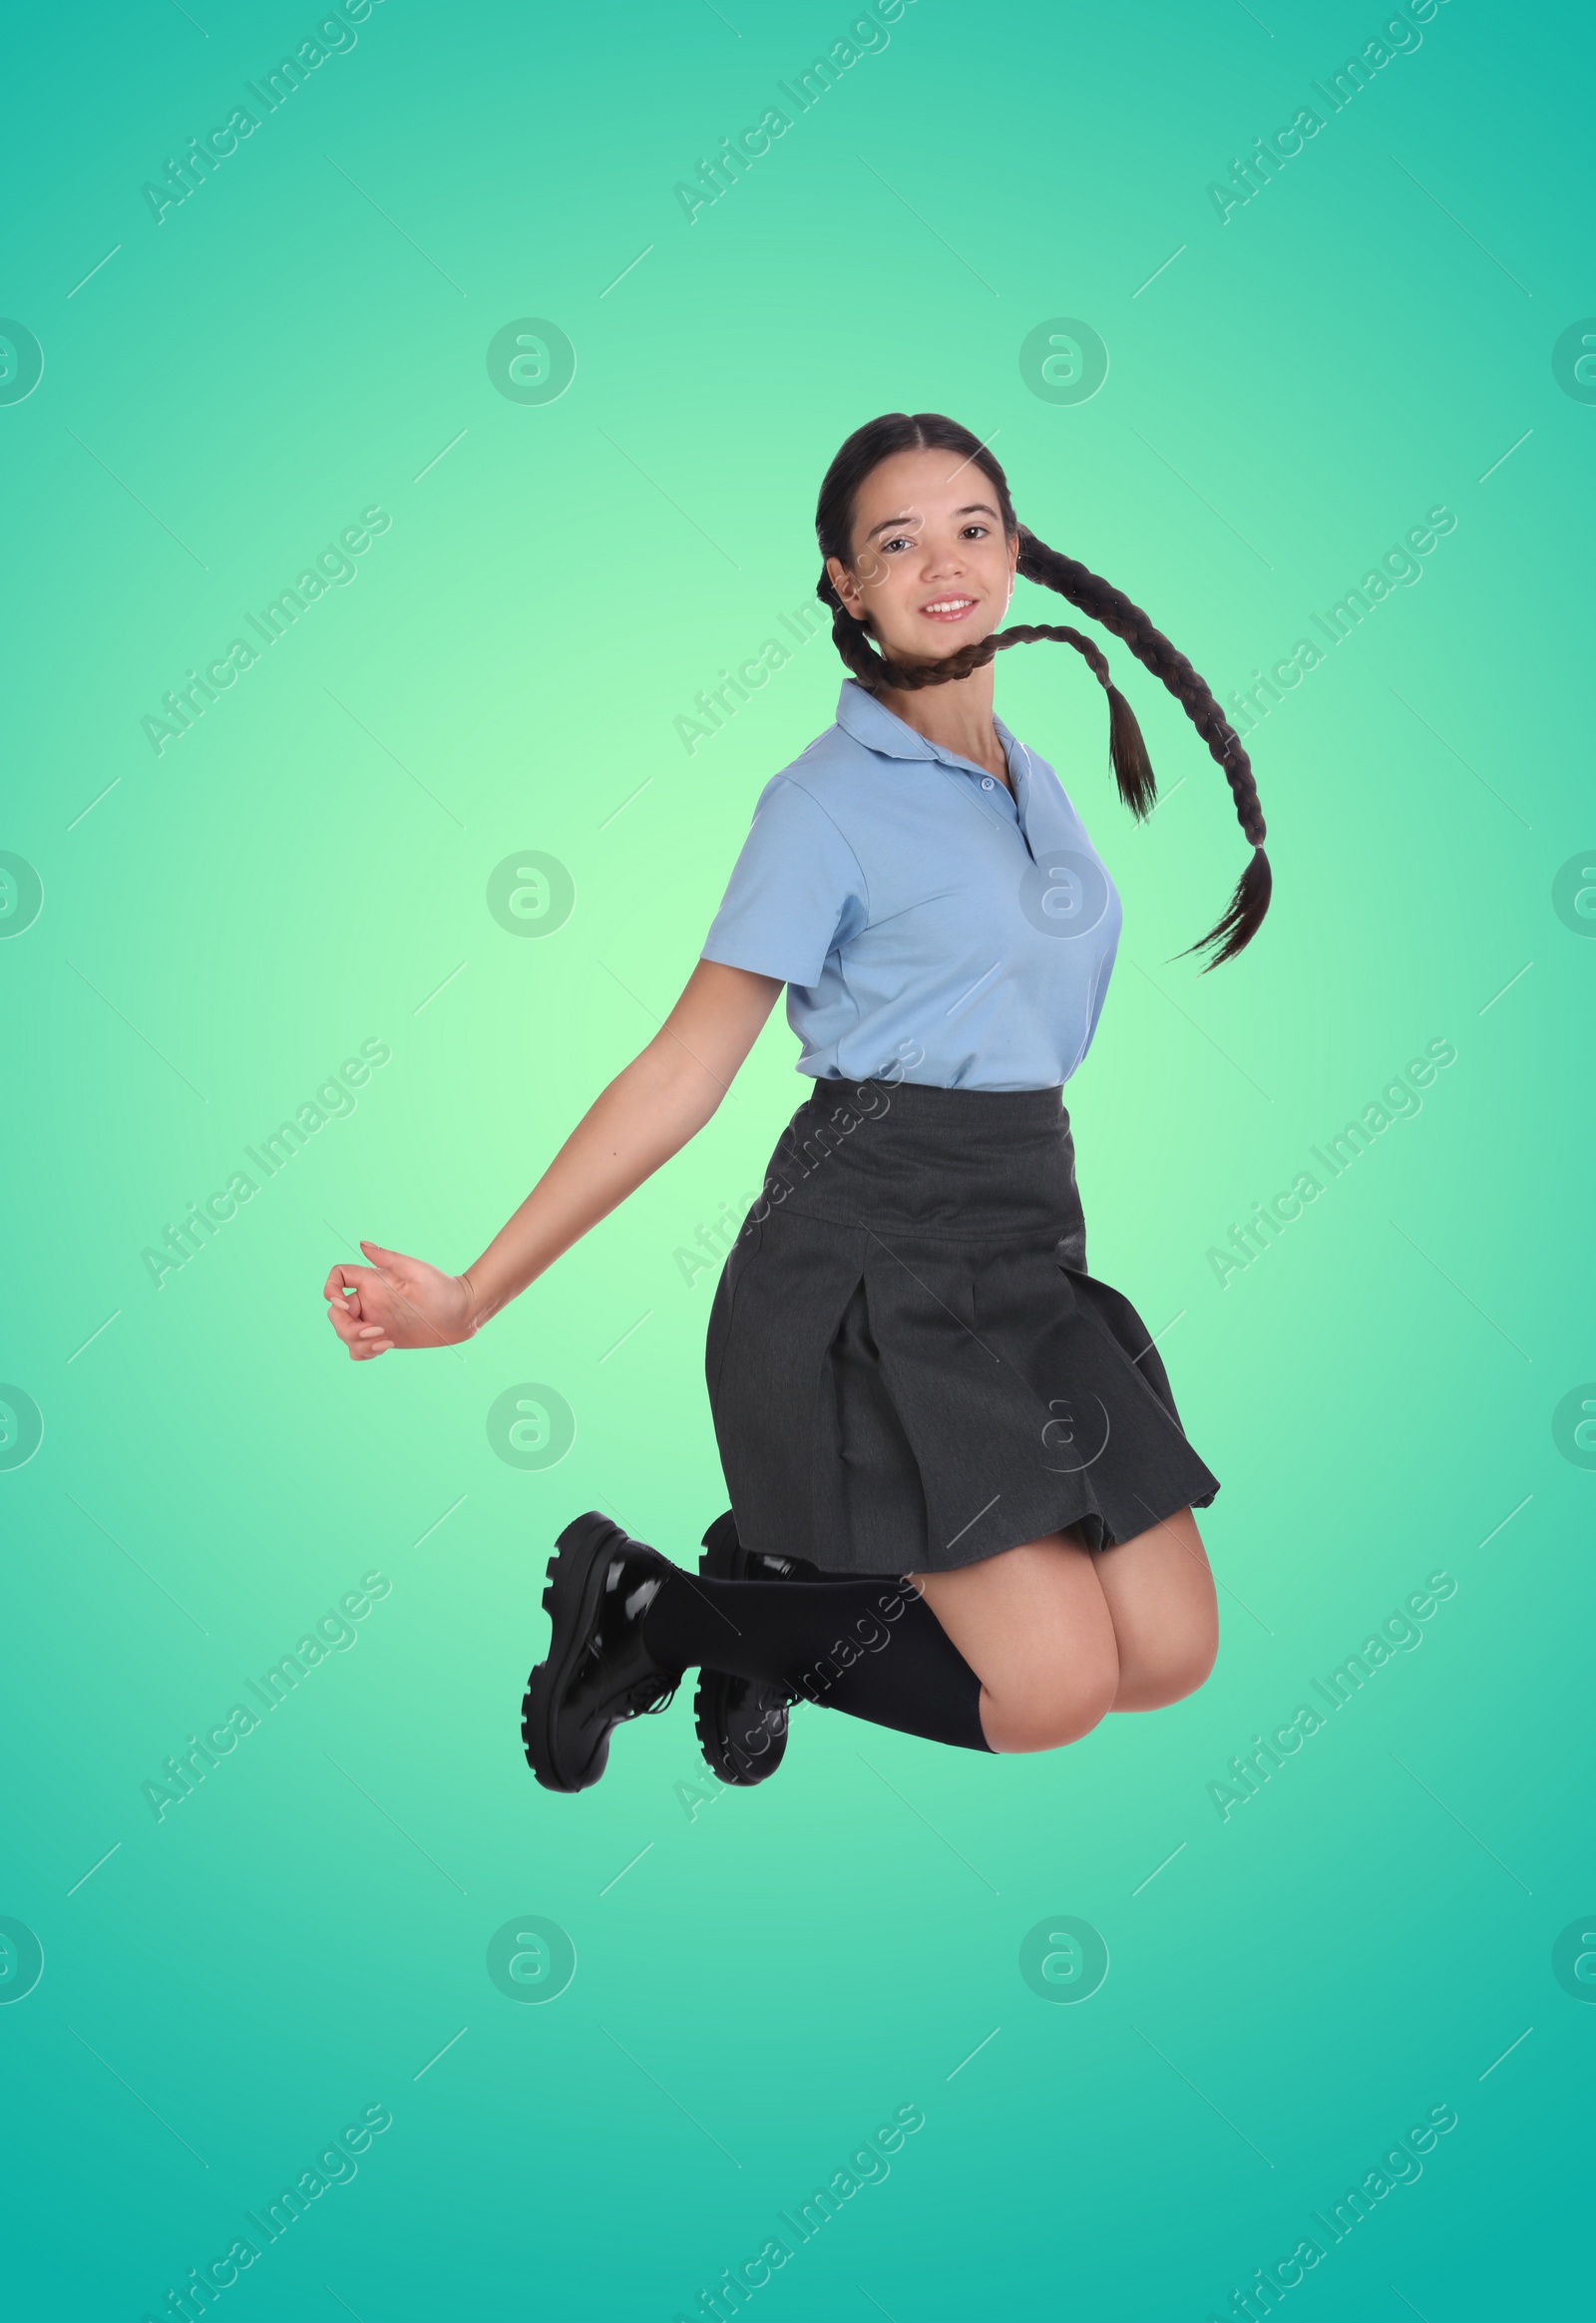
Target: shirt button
(987, 783)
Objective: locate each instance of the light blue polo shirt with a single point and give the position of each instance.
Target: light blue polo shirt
(925, 921)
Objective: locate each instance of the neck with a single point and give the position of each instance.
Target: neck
(956, 716)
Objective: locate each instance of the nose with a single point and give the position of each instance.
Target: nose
(942, 559)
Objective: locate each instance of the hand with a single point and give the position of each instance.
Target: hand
(397, 1302)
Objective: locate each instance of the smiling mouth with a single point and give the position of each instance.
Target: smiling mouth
(948, 608)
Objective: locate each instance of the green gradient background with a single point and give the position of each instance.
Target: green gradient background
(777, 1972)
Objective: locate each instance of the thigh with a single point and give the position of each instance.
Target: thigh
(1028, 1616)
(1160, 1597)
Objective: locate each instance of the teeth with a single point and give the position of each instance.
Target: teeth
(948, 604)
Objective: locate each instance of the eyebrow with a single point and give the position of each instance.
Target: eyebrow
(970, 509)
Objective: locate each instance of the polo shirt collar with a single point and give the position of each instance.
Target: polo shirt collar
(869, 721)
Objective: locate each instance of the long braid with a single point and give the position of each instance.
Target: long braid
(1128, 752)
(1110, 606)
(1098, 599)
(1152, 648)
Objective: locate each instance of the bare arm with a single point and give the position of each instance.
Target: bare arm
(648, 1112)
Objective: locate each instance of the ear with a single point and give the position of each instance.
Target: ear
(847, 587)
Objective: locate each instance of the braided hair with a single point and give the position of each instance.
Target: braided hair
(900, 431)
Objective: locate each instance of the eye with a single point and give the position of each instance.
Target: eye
(977, 530)
(899, 540)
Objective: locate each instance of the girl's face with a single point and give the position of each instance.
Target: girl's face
(931, 568)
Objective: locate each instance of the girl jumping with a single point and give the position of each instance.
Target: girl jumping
(960, 1493)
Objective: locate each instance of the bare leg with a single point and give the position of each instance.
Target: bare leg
(1034, 1626)
(1058, 1636)
(1160, 1597)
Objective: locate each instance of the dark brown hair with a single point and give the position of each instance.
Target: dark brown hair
(900, 431)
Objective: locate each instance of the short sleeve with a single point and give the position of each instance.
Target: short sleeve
(796, 891)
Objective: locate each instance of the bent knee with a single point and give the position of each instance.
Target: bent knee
(1156, 1680)
(1049, 1712)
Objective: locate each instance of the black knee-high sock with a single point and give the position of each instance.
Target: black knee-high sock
(873, 1649)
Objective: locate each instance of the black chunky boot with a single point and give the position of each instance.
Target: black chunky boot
(742, 1721)
(598, 1670)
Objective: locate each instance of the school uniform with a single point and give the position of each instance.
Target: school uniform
(909, 1368)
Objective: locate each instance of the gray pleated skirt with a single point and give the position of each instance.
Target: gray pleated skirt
(909, 1368)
